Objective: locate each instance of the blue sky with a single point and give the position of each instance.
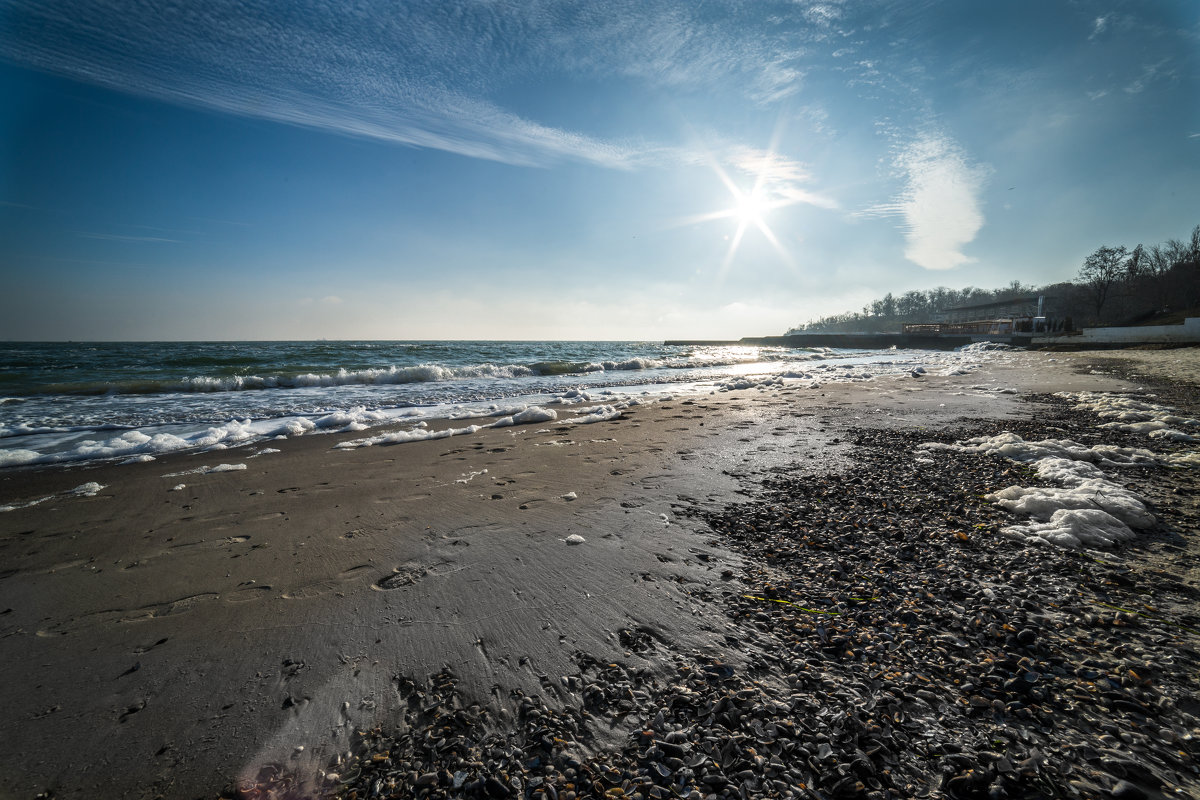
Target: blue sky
(587, 170)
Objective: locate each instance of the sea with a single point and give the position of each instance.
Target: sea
(71, 403)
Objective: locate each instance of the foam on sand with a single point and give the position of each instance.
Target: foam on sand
(1011, 446)
(206, 470)
(1084, 527)
(135, 446)
(1083, 507)
(89, 489)
(414, 435)
(601, 413)
(529, 416)
(1042, 502)
(1127, 414)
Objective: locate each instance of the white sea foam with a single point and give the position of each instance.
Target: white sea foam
(984, 347)
(1086, 508)
(1041, 502)
(141, 446)
(1086, 527)
(1136, 416)
(206, 470)
(534, 414)
(15, 457)
(400, 437)
(1010, 445)
(772, 382)
(601, 413)
(1188, 458)
(89, 489)
(1083, 506)
(470, 476)
(529, 416)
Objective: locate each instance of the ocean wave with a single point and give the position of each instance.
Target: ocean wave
(563, 367)
(135, 443)
(632, 364)
(419, 373)
(23, 429)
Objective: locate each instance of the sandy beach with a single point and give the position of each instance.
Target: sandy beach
(176, 630)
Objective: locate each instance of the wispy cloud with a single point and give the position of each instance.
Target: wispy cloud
(1159, 70)
(940, 203)
(115, 237)
(384, 72)
(824, 14)
(417, 74)
(780, 179)
(1099, 26)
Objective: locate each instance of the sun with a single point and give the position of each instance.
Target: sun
(750, 208)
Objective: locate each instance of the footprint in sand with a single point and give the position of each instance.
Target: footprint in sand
(146, 648)
(325, 587)
(180, 606)
(409, 574)
(137, 615)
(400, 578)
(246, 593)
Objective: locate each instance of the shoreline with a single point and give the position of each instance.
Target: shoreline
(120, 426)
(190, 637)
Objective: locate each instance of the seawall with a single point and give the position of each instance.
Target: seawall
(858, 341)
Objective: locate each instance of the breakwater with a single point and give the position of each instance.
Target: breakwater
(863, 341)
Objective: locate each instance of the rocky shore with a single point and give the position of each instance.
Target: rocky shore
(888, 641)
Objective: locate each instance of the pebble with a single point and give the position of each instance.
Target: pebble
(1124, 790)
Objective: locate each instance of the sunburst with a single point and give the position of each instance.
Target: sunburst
(749, 209)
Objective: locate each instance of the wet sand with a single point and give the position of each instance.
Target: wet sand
(168, 642)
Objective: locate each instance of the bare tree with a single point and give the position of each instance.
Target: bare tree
(1191, 269)
(1101, 271)
(1136, 264)
(1158, 268)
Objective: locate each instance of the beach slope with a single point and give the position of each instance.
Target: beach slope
(172, 628)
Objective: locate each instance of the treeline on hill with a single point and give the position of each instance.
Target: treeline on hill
(1115, 286)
